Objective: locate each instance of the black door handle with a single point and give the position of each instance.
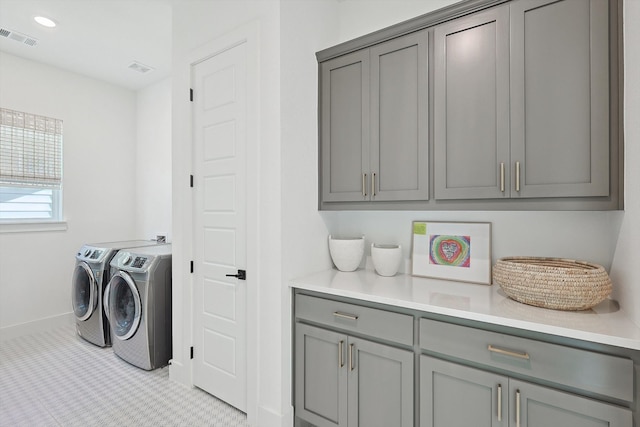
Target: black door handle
(242, 275)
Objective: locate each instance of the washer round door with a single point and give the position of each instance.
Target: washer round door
(84, 292)
(125, 309)
(105, 300)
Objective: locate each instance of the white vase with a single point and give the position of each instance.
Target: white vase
(386, 258)
(346, 253)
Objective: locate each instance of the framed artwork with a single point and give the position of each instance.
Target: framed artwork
(452, 250)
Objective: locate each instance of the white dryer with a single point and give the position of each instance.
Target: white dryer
(90, 277)
(140, 306)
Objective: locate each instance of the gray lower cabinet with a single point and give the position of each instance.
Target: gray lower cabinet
(374, 143)
(503, 398)
(453, 395)
(365, 365)
(521, 98)
(346, 381)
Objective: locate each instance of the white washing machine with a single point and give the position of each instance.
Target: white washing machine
(140, 306)
(90, 277)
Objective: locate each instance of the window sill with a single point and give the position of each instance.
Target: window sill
(32, 226)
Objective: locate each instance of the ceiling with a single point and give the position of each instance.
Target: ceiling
(96, 38)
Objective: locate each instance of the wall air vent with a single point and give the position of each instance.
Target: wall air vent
(141, 68)
(19, 37)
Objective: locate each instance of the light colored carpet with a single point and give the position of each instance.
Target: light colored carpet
(55, 378)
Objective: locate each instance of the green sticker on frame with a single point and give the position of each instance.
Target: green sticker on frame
(420, 228)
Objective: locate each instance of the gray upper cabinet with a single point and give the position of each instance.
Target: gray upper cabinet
(345, 127)
(471, 106)
(526, 121)
(399, 119)
(560, 98)
(483, 104)
(374, 123)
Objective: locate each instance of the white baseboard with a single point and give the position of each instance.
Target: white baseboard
(266, 417)
(180, 373)
(40, 325)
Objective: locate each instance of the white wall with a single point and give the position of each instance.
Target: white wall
(577, 235)
(624, 271)
(98, 184)
(360, 17)
(305, 27)
(153, 160)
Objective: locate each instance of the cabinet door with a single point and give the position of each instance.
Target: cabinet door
(345, 127)
(559, 98)
(399, 119)
(453, 395)
(471, 106)
(380, 385)
(320, 376)
(541, 406)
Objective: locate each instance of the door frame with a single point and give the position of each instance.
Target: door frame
(182, 365)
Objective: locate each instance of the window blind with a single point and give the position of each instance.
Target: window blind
(30, 150)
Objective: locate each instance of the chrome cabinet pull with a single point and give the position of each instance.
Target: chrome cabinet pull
(345, 315)
(364, 185)
(499, 402)
(373, 184)
(518, 176)
(340, 351)
(517, 408)
(352, 365)
(502, 177)
(521, 355)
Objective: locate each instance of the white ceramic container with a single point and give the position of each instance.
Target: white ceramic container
(386, 258)
(346, 253)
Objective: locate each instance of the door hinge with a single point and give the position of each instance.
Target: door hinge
(191, 95)
(192, 352)
(191, 181)
(191, 266)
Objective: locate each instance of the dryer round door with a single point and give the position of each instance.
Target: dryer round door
(125, 309)
(84, 292)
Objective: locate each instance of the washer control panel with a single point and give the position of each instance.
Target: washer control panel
(88, 253)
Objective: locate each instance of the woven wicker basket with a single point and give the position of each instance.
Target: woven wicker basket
(560, 284)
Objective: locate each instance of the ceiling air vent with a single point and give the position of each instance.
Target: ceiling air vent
(141, 68)
(19, 37)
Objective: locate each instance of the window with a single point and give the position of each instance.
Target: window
(30, 167)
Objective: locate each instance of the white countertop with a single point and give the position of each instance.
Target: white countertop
(604, 324)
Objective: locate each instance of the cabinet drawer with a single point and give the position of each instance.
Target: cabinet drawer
(582, 369)
(381, 324)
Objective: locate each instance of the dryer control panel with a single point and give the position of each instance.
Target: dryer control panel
(131, 262)
(138, 262)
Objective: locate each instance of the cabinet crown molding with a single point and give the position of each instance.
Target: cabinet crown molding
(429, 19)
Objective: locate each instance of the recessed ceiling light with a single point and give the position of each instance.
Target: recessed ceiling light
(44, 21)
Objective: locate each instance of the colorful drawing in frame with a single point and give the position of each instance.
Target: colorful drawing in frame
(459, 251)
(454, 251)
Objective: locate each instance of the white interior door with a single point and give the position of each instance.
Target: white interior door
(219, 310)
